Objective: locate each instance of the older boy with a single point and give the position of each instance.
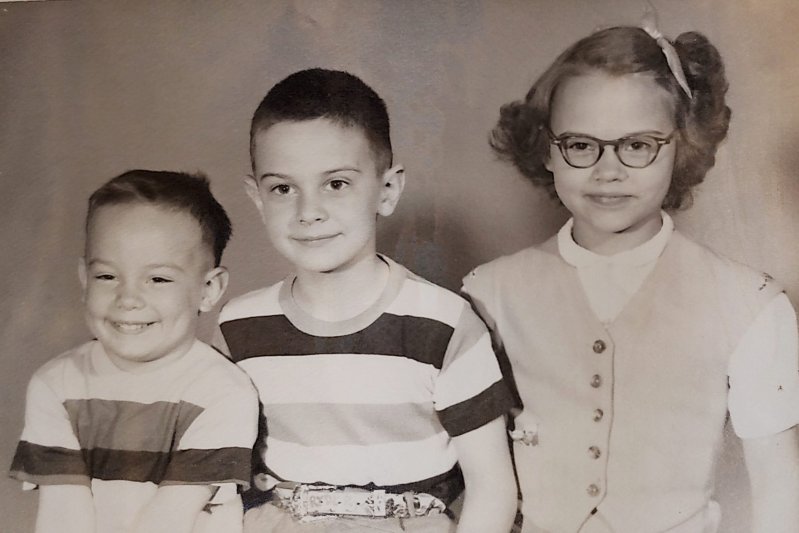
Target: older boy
(375, 383)
(145, 429)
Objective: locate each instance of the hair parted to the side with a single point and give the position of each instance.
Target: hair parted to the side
(520, 135)
(331, 94)
(179, 191)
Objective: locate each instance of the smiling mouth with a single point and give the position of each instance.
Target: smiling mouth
(131, 327)
(315, 240)
(609, 200)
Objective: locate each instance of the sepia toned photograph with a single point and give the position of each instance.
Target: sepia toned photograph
(473, 266)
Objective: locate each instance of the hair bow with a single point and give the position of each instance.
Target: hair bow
(649, 25)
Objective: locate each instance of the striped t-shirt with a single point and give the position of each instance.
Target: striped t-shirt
(373, 400)
(124, 434)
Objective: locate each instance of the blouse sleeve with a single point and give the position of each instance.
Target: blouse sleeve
(764, 373)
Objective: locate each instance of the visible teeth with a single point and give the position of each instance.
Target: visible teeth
(131, 326)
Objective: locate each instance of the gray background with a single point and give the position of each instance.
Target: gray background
(90, 89)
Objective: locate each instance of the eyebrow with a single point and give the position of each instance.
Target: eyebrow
(266, 175)
(151, 266)
(631, 134)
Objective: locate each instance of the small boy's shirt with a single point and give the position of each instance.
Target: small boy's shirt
(124, 434)
(370, 401)
(767, 354)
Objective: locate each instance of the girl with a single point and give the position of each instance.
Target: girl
(630, 343)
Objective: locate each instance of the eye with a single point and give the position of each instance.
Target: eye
(104, 277)
(639, 144)
(160, 279)
(337, 184)
(281, 189)
(578, 144)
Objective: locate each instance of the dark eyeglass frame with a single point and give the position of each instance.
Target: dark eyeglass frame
(559, 142)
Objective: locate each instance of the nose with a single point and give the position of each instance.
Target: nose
(128, 296)
(609, 167)
(310, 209)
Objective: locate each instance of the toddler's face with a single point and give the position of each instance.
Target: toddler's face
(318, 192)
(615, 207)
(146, 276)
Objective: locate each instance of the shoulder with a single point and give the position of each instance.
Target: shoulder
(65, 366)
(214, 369)
(419, 297)
(534, 261)
(728, 274)
(260, 302)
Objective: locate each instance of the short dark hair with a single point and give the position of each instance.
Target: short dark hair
(188, 193)
(332, 94)
(520, 136)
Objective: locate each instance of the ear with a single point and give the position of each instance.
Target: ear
(548, 161)
(393, 183)
(82, 274)
(216, 281)
(253, 191)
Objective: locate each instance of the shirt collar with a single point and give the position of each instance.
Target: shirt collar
(644, 253)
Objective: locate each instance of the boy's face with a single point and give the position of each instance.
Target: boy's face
(146, 275)
(317, 188)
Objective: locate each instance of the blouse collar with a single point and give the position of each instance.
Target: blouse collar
(644, 253)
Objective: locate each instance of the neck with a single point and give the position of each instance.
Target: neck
(613, 243)
(342, 294)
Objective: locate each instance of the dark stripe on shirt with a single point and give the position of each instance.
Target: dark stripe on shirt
(475, 412)
(421, 339)
(33, 462)
(125, 425)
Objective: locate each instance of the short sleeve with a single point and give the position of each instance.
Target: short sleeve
(217, 447)
(48, 452)
(764, 373)
(470, 390)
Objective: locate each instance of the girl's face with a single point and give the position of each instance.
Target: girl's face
(615, 207)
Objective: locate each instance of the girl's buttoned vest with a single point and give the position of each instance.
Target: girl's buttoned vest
(628, 416)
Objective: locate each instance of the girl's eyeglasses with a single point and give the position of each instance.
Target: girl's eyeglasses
(583, 151)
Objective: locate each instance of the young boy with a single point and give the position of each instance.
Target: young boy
(145, 429)
(375, 383)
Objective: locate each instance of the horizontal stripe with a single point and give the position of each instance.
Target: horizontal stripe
(466, 416)
(226, 465)
(33, 461)
(341, 424)
(30, 481)
(420, 339)
(467, 373)
(343, 378)
(185, 466)
(422, 299)
(124, 425)
(446, 487)
(382, 464)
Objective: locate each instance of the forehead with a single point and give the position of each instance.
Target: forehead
(609, 107)
(143, 231)
(319, 142)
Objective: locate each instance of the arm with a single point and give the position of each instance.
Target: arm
(65, 509)
(773, 465)
(490, 501)
(173, 509)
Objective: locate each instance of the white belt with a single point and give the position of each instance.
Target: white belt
(311, 502)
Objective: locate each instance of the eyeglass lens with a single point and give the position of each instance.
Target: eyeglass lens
(636, 152)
